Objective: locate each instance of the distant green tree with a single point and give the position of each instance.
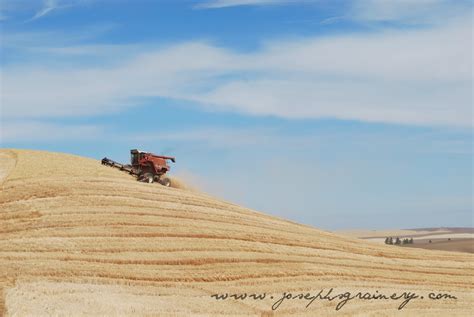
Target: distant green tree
(386, 240)
(411, 241)
(390, 240)
(398, 241)
(405, 241)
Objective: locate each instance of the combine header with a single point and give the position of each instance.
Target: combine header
(147, 167)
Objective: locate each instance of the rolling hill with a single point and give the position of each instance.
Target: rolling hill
(81, 239)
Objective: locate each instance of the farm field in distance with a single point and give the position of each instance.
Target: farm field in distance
(446, 239)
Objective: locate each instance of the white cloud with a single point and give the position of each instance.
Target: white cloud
(30, 131)
(410, 76)
(59, 40)
(408, 11)
(217, 137)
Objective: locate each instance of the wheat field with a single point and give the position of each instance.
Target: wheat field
(81, 239)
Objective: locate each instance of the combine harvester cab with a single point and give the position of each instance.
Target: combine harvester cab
(147, 167)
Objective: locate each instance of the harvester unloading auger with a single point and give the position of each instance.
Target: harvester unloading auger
(147, 167)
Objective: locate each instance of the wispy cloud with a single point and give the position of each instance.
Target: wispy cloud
(48, 6)
(408, 11)
(217, 4)
(37, 9)
(370, 11)
(410, 77)
(30, 131)
(51, 40)
(217, 137)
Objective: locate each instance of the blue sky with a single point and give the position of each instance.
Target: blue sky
(336, 114)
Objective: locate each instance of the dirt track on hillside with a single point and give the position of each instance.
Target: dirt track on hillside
(78, 238)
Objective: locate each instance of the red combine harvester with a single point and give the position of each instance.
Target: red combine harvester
(147, 167)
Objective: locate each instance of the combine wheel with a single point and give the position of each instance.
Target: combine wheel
(165, 181)
(147, 178)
